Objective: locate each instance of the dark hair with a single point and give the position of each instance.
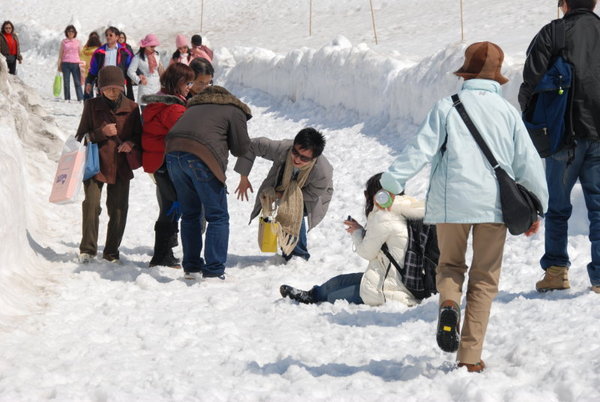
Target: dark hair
(173, 76)
(373, 186)
(124, 35)
(587, 4)
(93, 40)
(201, 66)
(310, 139)
(70, 28)
(112, 29)
(196, 40)
(5, 23)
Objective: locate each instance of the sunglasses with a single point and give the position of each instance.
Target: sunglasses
(300, 156)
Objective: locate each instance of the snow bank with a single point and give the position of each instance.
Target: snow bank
(29, 147)
(354, 77)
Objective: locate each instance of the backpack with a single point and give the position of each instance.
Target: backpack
(546, 113)
(420, 260)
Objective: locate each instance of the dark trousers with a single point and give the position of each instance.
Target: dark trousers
(117, 203)
(68, 70)
(11, 61)
(341, 287)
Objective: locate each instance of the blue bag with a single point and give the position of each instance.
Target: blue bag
(92, 161)
(545, 117)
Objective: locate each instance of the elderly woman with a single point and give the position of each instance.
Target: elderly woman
(113, 122)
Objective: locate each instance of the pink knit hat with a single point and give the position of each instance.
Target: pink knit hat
(149, 40)
(181, 41)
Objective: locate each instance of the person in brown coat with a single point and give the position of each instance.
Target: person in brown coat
(113, 122)
(197, 150)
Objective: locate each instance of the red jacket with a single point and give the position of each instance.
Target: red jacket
(160, 114)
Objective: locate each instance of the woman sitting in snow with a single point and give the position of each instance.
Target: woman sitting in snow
(381, 281)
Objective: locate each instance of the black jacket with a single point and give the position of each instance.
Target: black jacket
(583, 52)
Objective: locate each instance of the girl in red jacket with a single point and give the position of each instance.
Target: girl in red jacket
(163, 109)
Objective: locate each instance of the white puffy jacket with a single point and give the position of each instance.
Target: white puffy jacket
(381, 281)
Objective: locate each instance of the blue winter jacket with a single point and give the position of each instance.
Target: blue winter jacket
(463, 187)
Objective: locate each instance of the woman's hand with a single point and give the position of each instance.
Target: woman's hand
(109, 130)
(127, 146)
(352, 226)
(143, 80)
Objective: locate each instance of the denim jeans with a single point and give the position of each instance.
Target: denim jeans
(67, 70)
(198, 191)
(561, 177)
(341, 287)
(301, 249)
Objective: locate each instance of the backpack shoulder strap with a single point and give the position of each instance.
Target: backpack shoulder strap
(386, 252)
(559, 36)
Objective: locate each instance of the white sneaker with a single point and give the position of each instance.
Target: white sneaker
(218, 279)
(84, 258)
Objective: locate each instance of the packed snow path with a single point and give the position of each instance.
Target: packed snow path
(127, 332)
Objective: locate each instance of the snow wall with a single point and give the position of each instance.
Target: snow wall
(29, 148)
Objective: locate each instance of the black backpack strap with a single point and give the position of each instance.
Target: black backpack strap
(559, 36)
(386, 252)
(460, 108)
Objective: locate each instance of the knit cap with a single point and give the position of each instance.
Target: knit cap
(180, 41)
(110, 76)
(483, 60)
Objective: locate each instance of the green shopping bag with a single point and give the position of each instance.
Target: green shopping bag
(57, 85)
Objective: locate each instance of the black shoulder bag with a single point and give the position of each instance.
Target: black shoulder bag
(520, 207)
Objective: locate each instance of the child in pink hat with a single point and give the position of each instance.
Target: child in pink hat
(182, 54)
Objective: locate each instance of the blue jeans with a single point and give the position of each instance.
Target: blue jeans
(67, 70)
(341, 287)
(301, 249)
(198, 191)
(561, 178)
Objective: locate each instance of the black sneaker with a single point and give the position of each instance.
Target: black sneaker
(448, 331)
(301, 296)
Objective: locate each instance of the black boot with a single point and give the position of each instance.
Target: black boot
(301, 296)
(163, 252)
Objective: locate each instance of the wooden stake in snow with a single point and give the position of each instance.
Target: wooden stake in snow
(462, 29)
(373, 21)
(201, 14)
(310, 18)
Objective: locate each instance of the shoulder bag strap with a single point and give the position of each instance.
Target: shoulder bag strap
(460, 108)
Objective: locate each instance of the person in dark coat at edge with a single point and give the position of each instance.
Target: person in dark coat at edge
(579, 158)
(113, 122)
(197, 151)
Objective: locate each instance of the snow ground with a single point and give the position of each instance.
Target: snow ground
(102, 332)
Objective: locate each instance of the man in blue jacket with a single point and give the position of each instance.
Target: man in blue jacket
(581, 159)
(463, 194)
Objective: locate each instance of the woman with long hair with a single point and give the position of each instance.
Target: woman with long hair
(85, 56)
(145, 68)
(10, 47)
(381, 281)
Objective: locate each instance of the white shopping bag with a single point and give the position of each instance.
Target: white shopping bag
(69, 173)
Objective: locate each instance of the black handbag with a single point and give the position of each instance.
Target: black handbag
(520, 207)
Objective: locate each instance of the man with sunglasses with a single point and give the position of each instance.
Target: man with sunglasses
(300, 182)
(112, 53)
(578, 160)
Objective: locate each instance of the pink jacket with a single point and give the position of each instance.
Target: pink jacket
(202, 51)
